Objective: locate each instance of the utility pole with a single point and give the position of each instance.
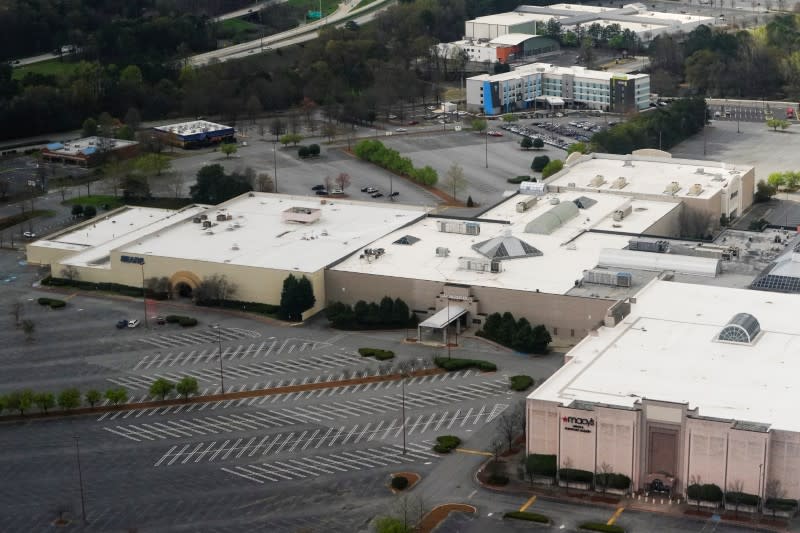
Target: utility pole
(80, 477)
(275, 163)
(144, 296)
(403, 385)
(486, 135)
(221, 374)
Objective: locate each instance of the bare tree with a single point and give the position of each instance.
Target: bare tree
(264, 183)
(497, 447)
(605, 471)
(328, 183)
(455, 181)
(567, 465)
(28, 327)
(773, 491)
(216, 288)
(176, 183)
(696, 480)
(508, 428)
(410, 508)
(343, 180)
(735, 489)
(5, 186)
(16, 311)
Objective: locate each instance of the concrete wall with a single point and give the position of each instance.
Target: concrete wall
(669, 225)
(565, 316)
(783, 461)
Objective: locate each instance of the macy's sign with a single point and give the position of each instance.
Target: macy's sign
(575, 423)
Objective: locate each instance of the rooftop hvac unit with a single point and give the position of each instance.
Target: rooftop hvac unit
(526, 204)
(442, 251)
(197, 220)
(695, 190)
(203, 217)
(700, 171)
(597, 181)
(235, 247)
(648, 245)
(206, 224)
(479, 264)
(554, 201)
(533, 188)
(620, 214)
(608, 277)
(458, 226)
(619, 183)
(672, 188)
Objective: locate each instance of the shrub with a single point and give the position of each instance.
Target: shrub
(303, 152)
(603, 528)
(518, 179)
(539, 162)
(187, 321)
(388, 314)
(250, 307)
(530, 517)
(521, 383)
(470, 202)
(613, 481)
(375, 152)
(399, 482)
(780, 504)
(537, 464)
(377, 353)
(446, 443)
(741, 498)
(53, 303)
(552, 167)
(707, 492)
(516, 334)
(574, 475)
(313, 150)
(462, 364)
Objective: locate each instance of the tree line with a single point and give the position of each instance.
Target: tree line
(715, 62)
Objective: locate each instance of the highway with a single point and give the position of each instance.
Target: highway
(297, 35)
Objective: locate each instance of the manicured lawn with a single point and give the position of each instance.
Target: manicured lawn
(328, 6)
(53, 67)
(239, 25)
(363, 3)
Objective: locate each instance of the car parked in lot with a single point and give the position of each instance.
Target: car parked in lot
(369, 190)
(160, 320)
(122, 323)
(377, 195)
(29, 235)
(413, 122)
(494, 133)
(133, 323)
(322, 192)
(395, 193)
(318, 188)
(401, 130)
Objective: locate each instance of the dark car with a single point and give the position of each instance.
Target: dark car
(413, 122)
(160, 320)
(365, 189)
(377, 195)
(395, 193)
(322, 192)
(318, 188)
(122, 324)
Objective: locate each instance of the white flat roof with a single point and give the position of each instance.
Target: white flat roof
(648, 175)
(511, 18)
(258, 236)
(666, 349)
(512, 39)
(570, 244)
(192, 127)
(87, 145)
(548, 70)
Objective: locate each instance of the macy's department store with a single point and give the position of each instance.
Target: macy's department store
(697, 385)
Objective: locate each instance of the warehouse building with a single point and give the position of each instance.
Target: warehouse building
(89, 151)
(502, 49)
(195, 134)
(636, 18)
(256, 240)
(697, 384)
(548, 87)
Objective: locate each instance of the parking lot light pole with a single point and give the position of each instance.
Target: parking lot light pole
(486, 135)
(144, 296)
(403, 404)
(80, 477)
(275, 163)
(221, 374)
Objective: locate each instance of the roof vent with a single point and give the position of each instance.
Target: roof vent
(442, 252)
(235, 247)
(597, 181)
(672, 188)
(695, 190)
(619, 183)
(699, 171)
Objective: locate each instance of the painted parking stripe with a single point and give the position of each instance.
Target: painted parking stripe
(413, 427)
(275, 441)
(317, 459)
(464, 420)
(127, 435)
(375, 431)
(388, 429)
(320, 468)
(284, 443)
(245, 447)
(192, 453)
(177, 455)
(165, 455)
(261, 443)
(455, 416)
(361, 435)
(294, 467)
(243, 475)
(323, 438)
(296, 442)
(266, 472)
(204, 452)
(428, 423)
(310, 440)
(230, 450)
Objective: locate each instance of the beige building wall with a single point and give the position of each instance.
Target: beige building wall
(564, 316)
(784, 461)
(578, 440)
(542, 427)
(707, 448)
(46, 255)
(746, 451)
(616, 440)
(669, 225)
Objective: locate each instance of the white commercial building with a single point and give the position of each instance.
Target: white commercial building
(637, 18)
(696, 385)
(544, 86)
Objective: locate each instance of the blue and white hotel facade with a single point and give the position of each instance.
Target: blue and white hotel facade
(545, 86)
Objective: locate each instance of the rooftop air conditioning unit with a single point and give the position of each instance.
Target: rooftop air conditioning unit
(672, 188)
(442, 251)
(554, 201)
(597, 181)
(619, 183)
(206, 224)
(620, 214)
(700, 171)
(695, 190)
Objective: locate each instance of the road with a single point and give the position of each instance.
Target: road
(307, 32)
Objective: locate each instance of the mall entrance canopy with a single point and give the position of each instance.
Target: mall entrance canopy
(442, 319)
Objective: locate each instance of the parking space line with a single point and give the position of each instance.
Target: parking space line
(527, 504)
(310, 440)
(466, 417)
(126, 435)
(615, 516)
(192, 453)
(428, 423)
(177, 455)
(455, 416)
(238, 441)
(328, 463)
(413, 427)
(321, 469)
(361, 435)
(296, 442)
(323, 438)
(240, 474)
(211, 459)
(245, 447)
(284, 443)
(271, 444)
(347, 438)
(204, 452)
(165, 455)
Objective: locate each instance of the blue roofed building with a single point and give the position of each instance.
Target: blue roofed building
(89, 151)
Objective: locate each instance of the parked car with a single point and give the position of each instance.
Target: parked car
(494, 133)
(122, 323)
(29, 235)
(369, 190)
(401, 130)
(365, 189)
(392, 117)
(318, 188)
(413, 122)
(160, 320)
(133, 323)
(322, 192)
(395, 193)
(377, 195)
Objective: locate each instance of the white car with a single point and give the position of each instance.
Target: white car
(401, 130)
(29, 235)
(133, 323)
